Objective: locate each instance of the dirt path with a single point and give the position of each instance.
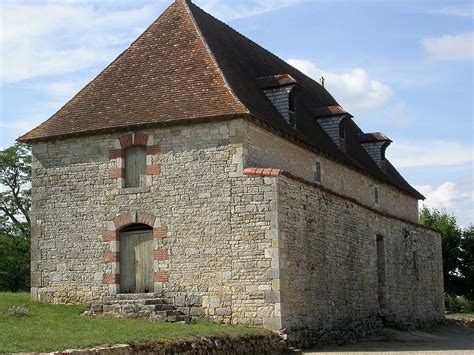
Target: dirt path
(451, 338)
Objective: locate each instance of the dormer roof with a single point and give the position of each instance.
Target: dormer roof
(329, 111)
(373, 137)
(273, 81)
(188, 66)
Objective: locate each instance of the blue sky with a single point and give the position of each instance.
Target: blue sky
(404, 68)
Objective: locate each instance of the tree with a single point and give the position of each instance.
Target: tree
(466, 267)
(456, 245)
(15, 202)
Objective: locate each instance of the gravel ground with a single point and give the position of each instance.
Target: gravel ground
(450, 338)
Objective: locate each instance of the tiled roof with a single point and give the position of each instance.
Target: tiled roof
(190, 66)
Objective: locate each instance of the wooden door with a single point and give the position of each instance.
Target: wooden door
(136, 262)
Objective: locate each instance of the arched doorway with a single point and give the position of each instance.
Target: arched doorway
(136, 259)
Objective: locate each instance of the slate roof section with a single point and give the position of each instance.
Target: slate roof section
(190, 66)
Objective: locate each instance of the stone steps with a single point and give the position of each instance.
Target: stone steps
(137, 296)
(139, 306)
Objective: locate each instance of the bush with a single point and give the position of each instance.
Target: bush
(18, 311)
(14, 263)
(458, 304)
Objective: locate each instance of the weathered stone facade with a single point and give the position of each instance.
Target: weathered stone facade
(261, 250)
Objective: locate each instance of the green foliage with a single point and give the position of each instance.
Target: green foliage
(15, 174)
(14, 263)
(458, 304)
(466, 267)
(458, 251)
(15, 177)
(50, 327)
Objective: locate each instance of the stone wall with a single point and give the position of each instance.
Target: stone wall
(328, 263)
(270, 344)
(240, 249)
(267, 150)
(209, 220)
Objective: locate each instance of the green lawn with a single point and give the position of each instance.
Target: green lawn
(59, 327)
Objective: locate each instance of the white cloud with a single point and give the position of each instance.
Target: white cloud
(450, 197)
(354, 89)
(23, 125)
(232, 10)
(399, 114)
(419, 153)
(450, 47)
(459, 10)
(56, 38)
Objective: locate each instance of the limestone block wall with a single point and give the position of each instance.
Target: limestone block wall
(267, 150)
(328, 262)
(210, 222)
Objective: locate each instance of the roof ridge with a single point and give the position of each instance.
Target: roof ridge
(186, 3)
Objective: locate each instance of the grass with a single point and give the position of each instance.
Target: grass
(49, 327)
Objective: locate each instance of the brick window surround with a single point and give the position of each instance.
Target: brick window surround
(127, 141)
(111, 255)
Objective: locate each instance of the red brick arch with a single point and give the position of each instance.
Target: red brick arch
(130, 140)
(111, 236)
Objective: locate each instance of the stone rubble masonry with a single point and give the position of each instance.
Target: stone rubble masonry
(260, 248)
(328, 262)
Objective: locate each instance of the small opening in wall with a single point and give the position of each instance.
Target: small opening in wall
(415, 265)
(317, 173)
(136, 227)
(381, 274)
(376, 194)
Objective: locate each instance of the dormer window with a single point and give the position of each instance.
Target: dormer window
(375, 145)
(281, 90)
(332, 120)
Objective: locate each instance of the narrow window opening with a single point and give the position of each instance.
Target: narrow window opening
(376, 195)
(292, 108)
(415, 265)
(381, 274)
(135, 166)
(342, 132)
(317, 173)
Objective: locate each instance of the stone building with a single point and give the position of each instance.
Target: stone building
(204, 169)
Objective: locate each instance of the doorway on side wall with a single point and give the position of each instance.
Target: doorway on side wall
(381, 273)
(136, 259)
